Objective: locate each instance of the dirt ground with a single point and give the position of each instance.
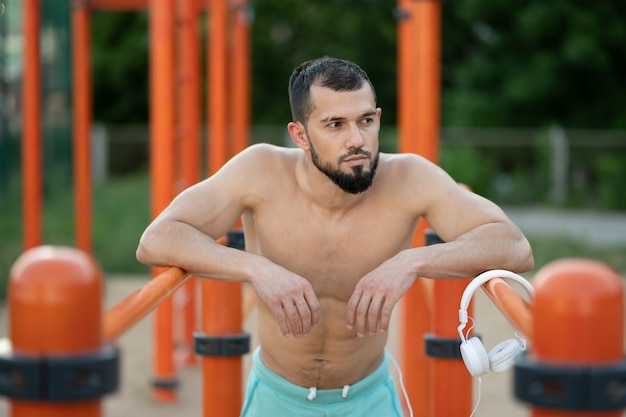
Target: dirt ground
(134, 396)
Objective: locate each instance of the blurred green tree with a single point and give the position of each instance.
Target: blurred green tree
(516, 63)
(534, 63)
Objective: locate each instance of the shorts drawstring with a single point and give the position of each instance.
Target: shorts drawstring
(345, 391)
(312, 394)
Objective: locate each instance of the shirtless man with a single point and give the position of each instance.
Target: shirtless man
(328, 229)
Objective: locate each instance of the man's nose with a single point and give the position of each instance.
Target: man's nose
(355, 137)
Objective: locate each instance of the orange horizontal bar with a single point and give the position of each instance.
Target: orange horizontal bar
(515, 308)
(135, 307)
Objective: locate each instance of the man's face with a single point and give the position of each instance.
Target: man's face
(342, 132)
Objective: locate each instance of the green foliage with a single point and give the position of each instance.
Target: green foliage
(289, 32)
(517, 63)
(610, 169)
(466, 165)
(120, 66)
(546, 250)
(533, 63)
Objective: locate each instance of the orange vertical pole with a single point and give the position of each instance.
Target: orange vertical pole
(31, 140)
(416, 304)
(221, 302)
(189, 135)
(81, 72)
(427, 77)
(449, 374)
(55, 303)
(218, 98)
(240, 103)
(578, 323)
(162, 133)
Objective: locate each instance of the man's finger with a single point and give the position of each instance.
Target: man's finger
(373, 313)
(361, 314)
(385, 315)
(304, 315)
(293, 318)
(279, 314)
(351, 309)
(314, 306)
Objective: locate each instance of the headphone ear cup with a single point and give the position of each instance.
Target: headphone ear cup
(503, 355)
(475, 356)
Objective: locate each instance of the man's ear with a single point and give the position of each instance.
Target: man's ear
(297, 132)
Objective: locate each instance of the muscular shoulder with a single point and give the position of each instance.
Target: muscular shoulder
(410, 168)
(416, 181)
(258, 169)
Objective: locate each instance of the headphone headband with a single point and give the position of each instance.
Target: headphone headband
(480, 280)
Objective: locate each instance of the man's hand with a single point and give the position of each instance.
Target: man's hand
(375, 296)
(291, 300)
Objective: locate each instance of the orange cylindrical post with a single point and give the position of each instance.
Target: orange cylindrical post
(218, 83)
(427, 79)
(578, 321)
(222, 376)
(81, 71)
(449, 374)
(162, 134)
(189, 139)
(221, 302)
(416, 303)
(55, 298)
(240, 80)
(31, 140)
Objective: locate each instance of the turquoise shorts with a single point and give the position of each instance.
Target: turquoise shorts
(269, 394)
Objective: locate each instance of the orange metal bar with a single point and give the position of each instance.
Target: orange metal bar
(449, 375)
(427, 78)
(222, 376)
(218, 98)
(221, 302)
(124, 315)
(240, 84)
(55, 303)
(578, 321)
(416, 304)
(31, 140)
(189, 137)
(515, 308)
(162, 115)
(81, 70)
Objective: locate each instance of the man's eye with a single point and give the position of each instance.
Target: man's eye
(367, 120)
(334, 125)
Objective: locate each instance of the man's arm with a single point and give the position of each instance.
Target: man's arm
(184, 234)
(478, 236)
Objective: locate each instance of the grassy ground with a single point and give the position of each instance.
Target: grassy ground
(121, 212)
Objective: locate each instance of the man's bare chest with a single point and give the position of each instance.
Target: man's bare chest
(332, 253)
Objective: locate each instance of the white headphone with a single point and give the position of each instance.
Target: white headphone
(503, 355)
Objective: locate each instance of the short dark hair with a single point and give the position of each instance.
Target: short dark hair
(334, 73)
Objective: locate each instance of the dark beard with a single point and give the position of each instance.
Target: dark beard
(355, 183)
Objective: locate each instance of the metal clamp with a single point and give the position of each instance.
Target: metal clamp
(442, 347)
(236, 239)
(228, 345)
(60, 379)
(570, 387)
